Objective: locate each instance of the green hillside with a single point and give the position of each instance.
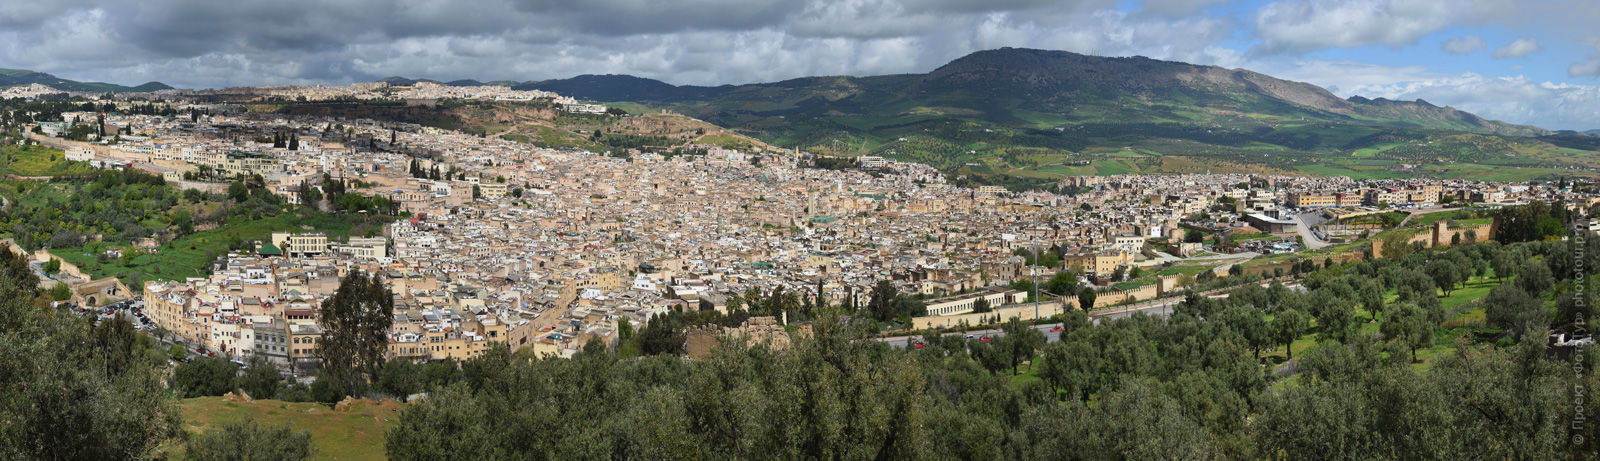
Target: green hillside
(18, 77)
(1045, 114)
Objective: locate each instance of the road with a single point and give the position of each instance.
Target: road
(1312, 241)
(1049, 336)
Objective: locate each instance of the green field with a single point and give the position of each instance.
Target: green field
(1354, 169)
(37, 161)
(356, 433)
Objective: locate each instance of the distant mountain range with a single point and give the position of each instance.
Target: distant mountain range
(1043, 114)
(18, 77)
(1053, 81)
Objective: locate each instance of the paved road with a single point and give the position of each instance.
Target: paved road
(1312, 242)
(1049, 336)
(1243, 255)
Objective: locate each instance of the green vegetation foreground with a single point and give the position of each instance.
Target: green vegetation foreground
(1188, 387)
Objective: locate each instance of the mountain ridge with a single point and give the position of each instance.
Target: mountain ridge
(984, 66)
(19, 77)
(1022, 115)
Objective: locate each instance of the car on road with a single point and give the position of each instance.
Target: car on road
(969, 335)
(986, 339)
(1055, 329)
(918, 344)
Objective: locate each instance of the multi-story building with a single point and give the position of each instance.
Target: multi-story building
(1103, 263)
(307, 244)
(492, 189)
(364, 247)
(1309, 200)
(80, 154)
(1376, 197)
(303, 339)
(1128, 242)
(240, 162)
(270, 340)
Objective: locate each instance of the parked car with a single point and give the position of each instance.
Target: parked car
(986, 339)
(1055, 329)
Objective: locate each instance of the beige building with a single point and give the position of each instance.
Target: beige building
(365, 247)
(303, 338)
(961, 304)
(492, 189)
(1103, 263)
(237, 162)
(308, 244)
(1377, 196)
(1304, 200)
(80, 154)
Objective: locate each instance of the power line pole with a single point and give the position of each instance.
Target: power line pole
(1035, 270)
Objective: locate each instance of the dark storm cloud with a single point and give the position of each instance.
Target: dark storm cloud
(217, 43)
(633, 17)
(220, 43)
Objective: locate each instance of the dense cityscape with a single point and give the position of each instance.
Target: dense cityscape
(1019, 254)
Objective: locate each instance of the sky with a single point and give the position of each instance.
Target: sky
(1533, 61)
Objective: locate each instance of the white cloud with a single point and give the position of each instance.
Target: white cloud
(206, 43)
(1307, 25)
(1518, 99)
(1463, 45)
(1520, 48)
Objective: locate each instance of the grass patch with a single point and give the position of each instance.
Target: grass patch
(356, 433)
(188, 256)
(38, 161)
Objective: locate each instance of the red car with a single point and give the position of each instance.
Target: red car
(986, 339)
(1055, 329)
(917, 345)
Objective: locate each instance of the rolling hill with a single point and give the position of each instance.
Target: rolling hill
(1036, 115)
(16, 77)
